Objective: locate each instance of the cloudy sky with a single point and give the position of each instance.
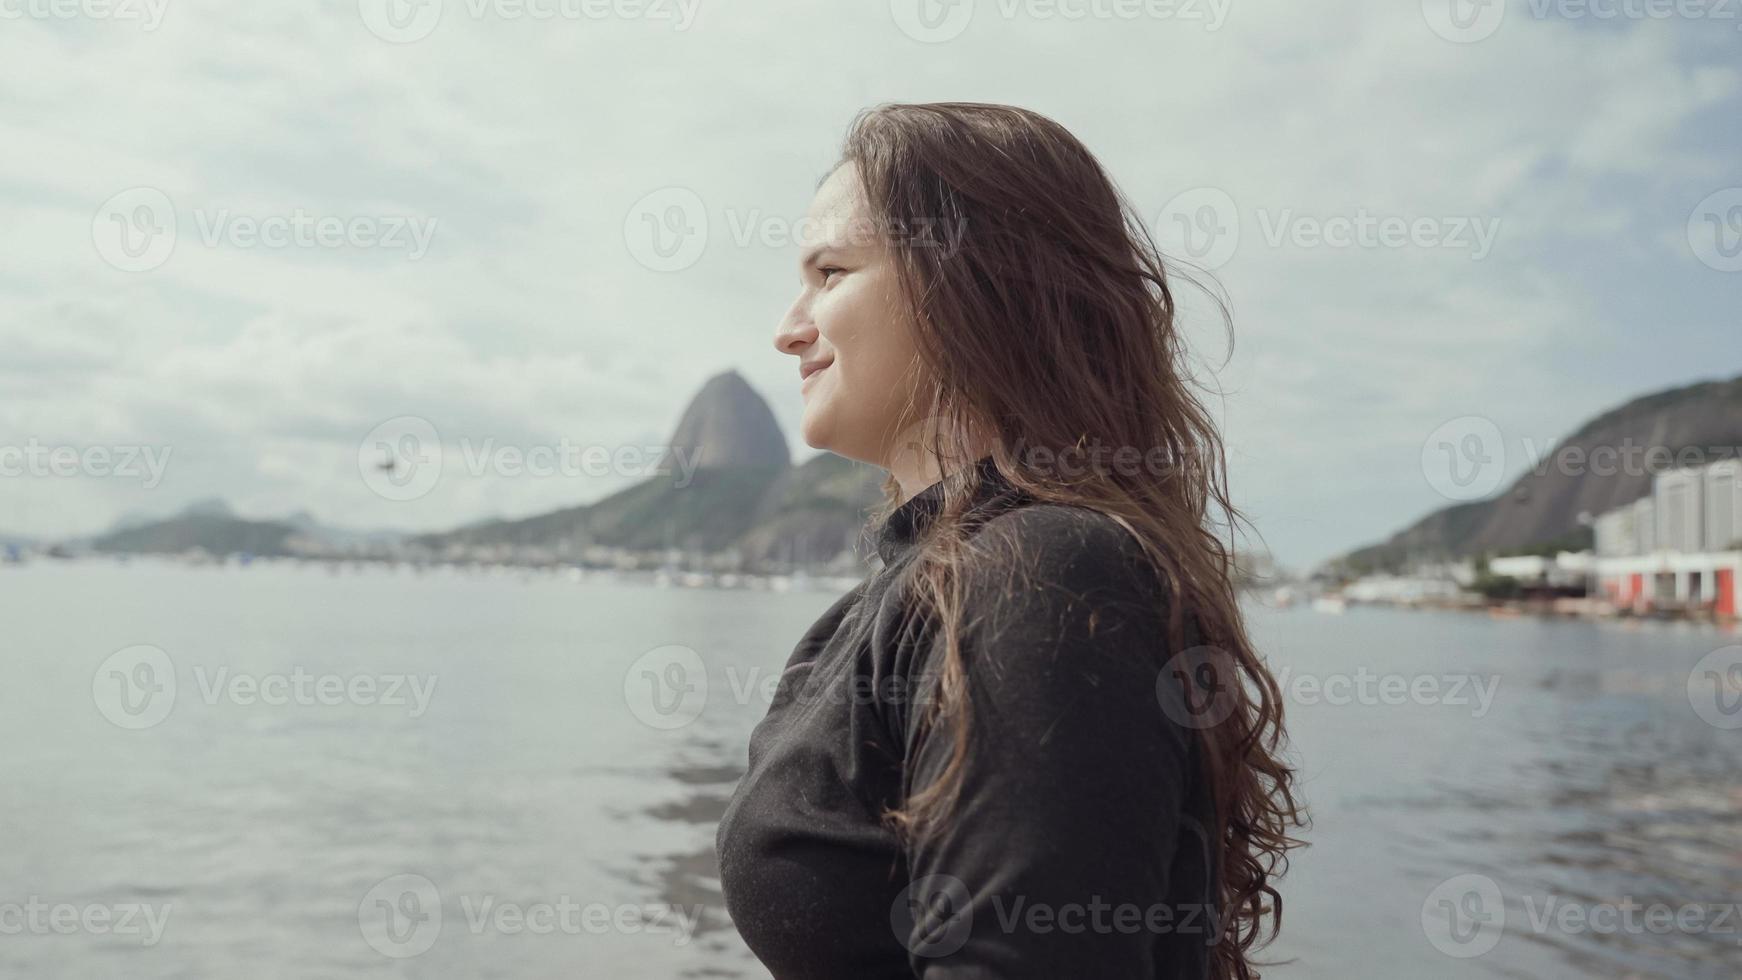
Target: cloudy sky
(247, 235)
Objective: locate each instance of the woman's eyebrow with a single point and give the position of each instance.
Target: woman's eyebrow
(811, 255)
(844, 245)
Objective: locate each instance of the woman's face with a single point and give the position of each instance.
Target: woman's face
(856, 362)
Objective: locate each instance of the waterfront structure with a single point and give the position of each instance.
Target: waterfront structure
(1677, 547)
(1723, 493)
(1567, 569)
(1645, 525)
(1616, 533)
(1678, 498)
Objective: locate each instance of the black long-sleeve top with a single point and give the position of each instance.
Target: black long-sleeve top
(1078, 846)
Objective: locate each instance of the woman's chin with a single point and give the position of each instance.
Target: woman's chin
(813, 430)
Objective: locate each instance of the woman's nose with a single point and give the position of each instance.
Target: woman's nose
(795, 332)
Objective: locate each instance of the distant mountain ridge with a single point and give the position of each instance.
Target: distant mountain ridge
(746, 501)
(212, 526)
(743, 496)
(728, 486)
(212, 533)
(1542, 507)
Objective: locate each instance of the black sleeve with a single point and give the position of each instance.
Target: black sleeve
(1054, 861)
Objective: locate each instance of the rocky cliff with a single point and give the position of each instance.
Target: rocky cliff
(1542, 507)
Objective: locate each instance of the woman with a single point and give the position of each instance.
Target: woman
(1036, 742)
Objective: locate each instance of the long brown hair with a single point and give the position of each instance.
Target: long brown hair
(1043, 318)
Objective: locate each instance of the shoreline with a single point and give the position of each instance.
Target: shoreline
(1564, 607)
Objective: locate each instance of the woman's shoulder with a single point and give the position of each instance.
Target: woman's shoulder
(1058, 526)
(1034, 579)
(1062, 612)
(1064, 548)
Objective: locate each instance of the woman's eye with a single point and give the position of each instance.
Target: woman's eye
(828, 271)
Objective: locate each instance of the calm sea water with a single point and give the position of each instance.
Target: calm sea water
(285, 772)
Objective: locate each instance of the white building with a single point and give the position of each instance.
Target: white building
(1408, 589)
(1679, 499)
(1723, 492)
(1644, 526)
(1616, 533)
(1678, 546)
(1565, 569)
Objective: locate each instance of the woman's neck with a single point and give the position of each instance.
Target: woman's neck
(915, 467)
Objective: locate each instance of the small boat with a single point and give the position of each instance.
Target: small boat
(1336, 605)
